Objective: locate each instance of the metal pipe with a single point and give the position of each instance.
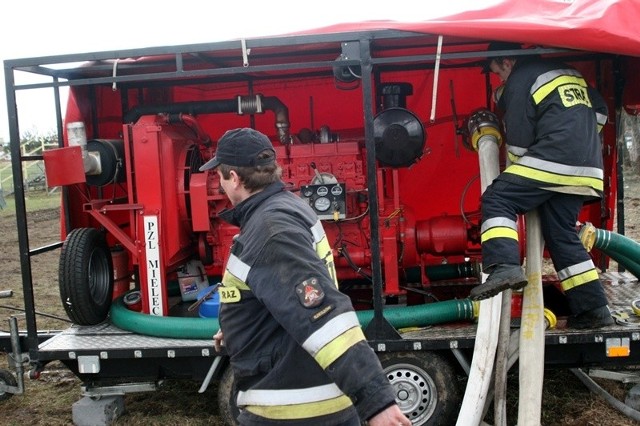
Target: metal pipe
(447, 271)
(241, 105)
(77, 136)
(209, 376)
(191, 122)
(282, 117)
(17, 357)
(191, 108)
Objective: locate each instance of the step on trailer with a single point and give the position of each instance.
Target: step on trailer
(374, 125)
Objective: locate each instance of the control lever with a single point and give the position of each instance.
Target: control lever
(318, 174)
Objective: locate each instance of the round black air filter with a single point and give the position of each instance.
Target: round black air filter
(399, 137)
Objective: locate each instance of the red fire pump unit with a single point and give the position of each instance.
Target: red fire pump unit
(146, 192)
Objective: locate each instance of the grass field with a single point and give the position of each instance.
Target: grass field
(35, 201)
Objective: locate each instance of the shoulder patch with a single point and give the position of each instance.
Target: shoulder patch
(309, 293)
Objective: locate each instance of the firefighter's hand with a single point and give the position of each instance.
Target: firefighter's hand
(390, 416)
(218, 341)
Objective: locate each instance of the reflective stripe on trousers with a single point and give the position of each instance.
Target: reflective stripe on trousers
(558, 216)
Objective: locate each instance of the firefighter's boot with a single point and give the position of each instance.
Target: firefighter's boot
(595, 318)
(501, 278)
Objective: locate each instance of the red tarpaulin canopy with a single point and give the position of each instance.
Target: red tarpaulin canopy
(595, 25)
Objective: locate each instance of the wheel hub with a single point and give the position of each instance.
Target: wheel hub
(415, 391)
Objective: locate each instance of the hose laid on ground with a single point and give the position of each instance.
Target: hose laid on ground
(205, 328)
(595, 388)
(532, 326)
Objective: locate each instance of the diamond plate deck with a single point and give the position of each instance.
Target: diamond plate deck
(621, 289)
(109, 337)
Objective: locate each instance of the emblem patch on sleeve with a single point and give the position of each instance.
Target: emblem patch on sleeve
(309, 293)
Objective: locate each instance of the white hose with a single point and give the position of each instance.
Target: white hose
(502, 367)
(502, 364)
(488, 321)
(513, 351)
(532, 326)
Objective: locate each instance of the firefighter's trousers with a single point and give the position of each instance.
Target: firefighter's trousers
(501, 203)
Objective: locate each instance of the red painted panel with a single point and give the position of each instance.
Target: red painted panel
(63, 166)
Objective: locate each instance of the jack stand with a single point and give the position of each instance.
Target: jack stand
(101, 406)
(97, 412)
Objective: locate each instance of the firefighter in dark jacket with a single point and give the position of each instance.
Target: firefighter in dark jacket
(298, 354)
(552, 120)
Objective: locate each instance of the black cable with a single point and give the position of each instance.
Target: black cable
(36, 312)
(345, 253)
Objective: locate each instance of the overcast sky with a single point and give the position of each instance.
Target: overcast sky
(31, 28)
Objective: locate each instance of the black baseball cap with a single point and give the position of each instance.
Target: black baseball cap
(496, 46)
(241, 148)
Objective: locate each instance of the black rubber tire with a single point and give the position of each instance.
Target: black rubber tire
(86, 276)
(227, 409)
(6, 378)
(425, 385)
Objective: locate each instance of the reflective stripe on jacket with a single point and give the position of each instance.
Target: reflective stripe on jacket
(296, 347)
(552, 121)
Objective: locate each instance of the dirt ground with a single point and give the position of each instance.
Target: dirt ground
(48, 401)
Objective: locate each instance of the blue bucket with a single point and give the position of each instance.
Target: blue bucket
(209, 308)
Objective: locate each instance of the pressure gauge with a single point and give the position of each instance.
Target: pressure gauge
(307, 192)
(322, 204)
(322, 191)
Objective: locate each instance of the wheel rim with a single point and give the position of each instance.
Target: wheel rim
(99, 276)
(415, 391)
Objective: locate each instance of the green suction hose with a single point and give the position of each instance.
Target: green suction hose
(618, 247)
(153, 325)
(422, 315)
(628, 264)
(205, 328)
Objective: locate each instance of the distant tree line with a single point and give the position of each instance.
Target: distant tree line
(33, 142)
(630, 140)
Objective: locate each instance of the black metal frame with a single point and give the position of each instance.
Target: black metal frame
(97, 69)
